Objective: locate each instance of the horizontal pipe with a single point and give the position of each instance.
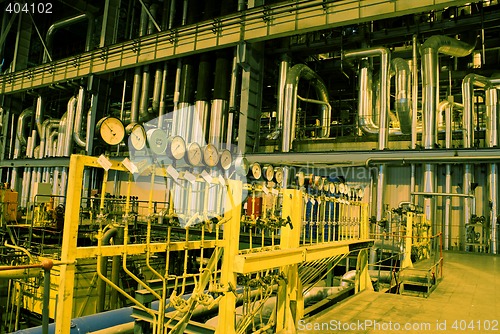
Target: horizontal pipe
(440, 194)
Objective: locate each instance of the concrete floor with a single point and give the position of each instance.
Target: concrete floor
(467, 300)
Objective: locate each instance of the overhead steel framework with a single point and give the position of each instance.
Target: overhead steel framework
(253, 25)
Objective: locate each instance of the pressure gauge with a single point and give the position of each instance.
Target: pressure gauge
(340, 188)
(256, 171)
(194, 154)
(226, 158)
(176, 147)
(318, 182)
(241, 166)
(360, 193)
(210, 155)
(111, 130)
(157, 141)
(136, 136)
(268, 172)
(278, 175)
(333, 188)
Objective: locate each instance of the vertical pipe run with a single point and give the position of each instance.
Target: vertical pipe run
(492, 140)
(430, 95)
(284, 66)
(218, 116)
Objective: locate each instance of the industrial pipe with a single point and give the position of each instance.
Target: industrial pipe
(101, 285)
(67, 22)
(384, 93)
(19, 142)
(297, 72)
(430, 95)
(284, 67)
(71, 111)
(39, 114)
(77, 137)
(402, 95)
(492, 141)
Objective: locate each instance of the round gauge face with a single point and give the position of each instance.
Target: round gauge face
(278, 175)
(256, 171)
(157, 141)
(301, 179)
(136, 136)
(241, 166)
(176, 147)
(226, 158)
(269, 172)
(210, 155)
(193, 154)
(111, 130)
(332, 188)
(340, 188)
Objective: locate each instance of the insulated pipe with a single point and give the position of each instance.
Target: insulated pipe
(492, 140)
(39, 114)
(19, 142)
(136, 95)
(144, 101)
(77, 137)
(47, 127)
(67, 22)
(430, 79)
(220, 102)
(284, 67)
(384, 93)
(297, 72)
(402, 103)
(202, 107)
(469, 82)
(68, 142)
(430, 95)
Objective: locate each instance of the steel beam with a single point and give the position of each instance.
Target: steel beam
(252, 25)
(136, 249)
(248, 263)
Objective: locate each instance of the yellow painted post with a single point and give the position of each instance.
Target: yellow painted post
(64, 311)
(290, 302)
(227, 316)
(408, 241)
(362, 281)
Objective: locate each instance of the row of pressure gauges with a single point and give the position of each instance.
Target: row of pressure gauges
(112, 132)
(269, 173)
(323, 184)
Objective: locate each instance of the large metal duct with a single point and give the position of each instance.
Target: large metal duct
(67, 22)
(297, 72)
(402, 103)
(430, 94)
(384, 93)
